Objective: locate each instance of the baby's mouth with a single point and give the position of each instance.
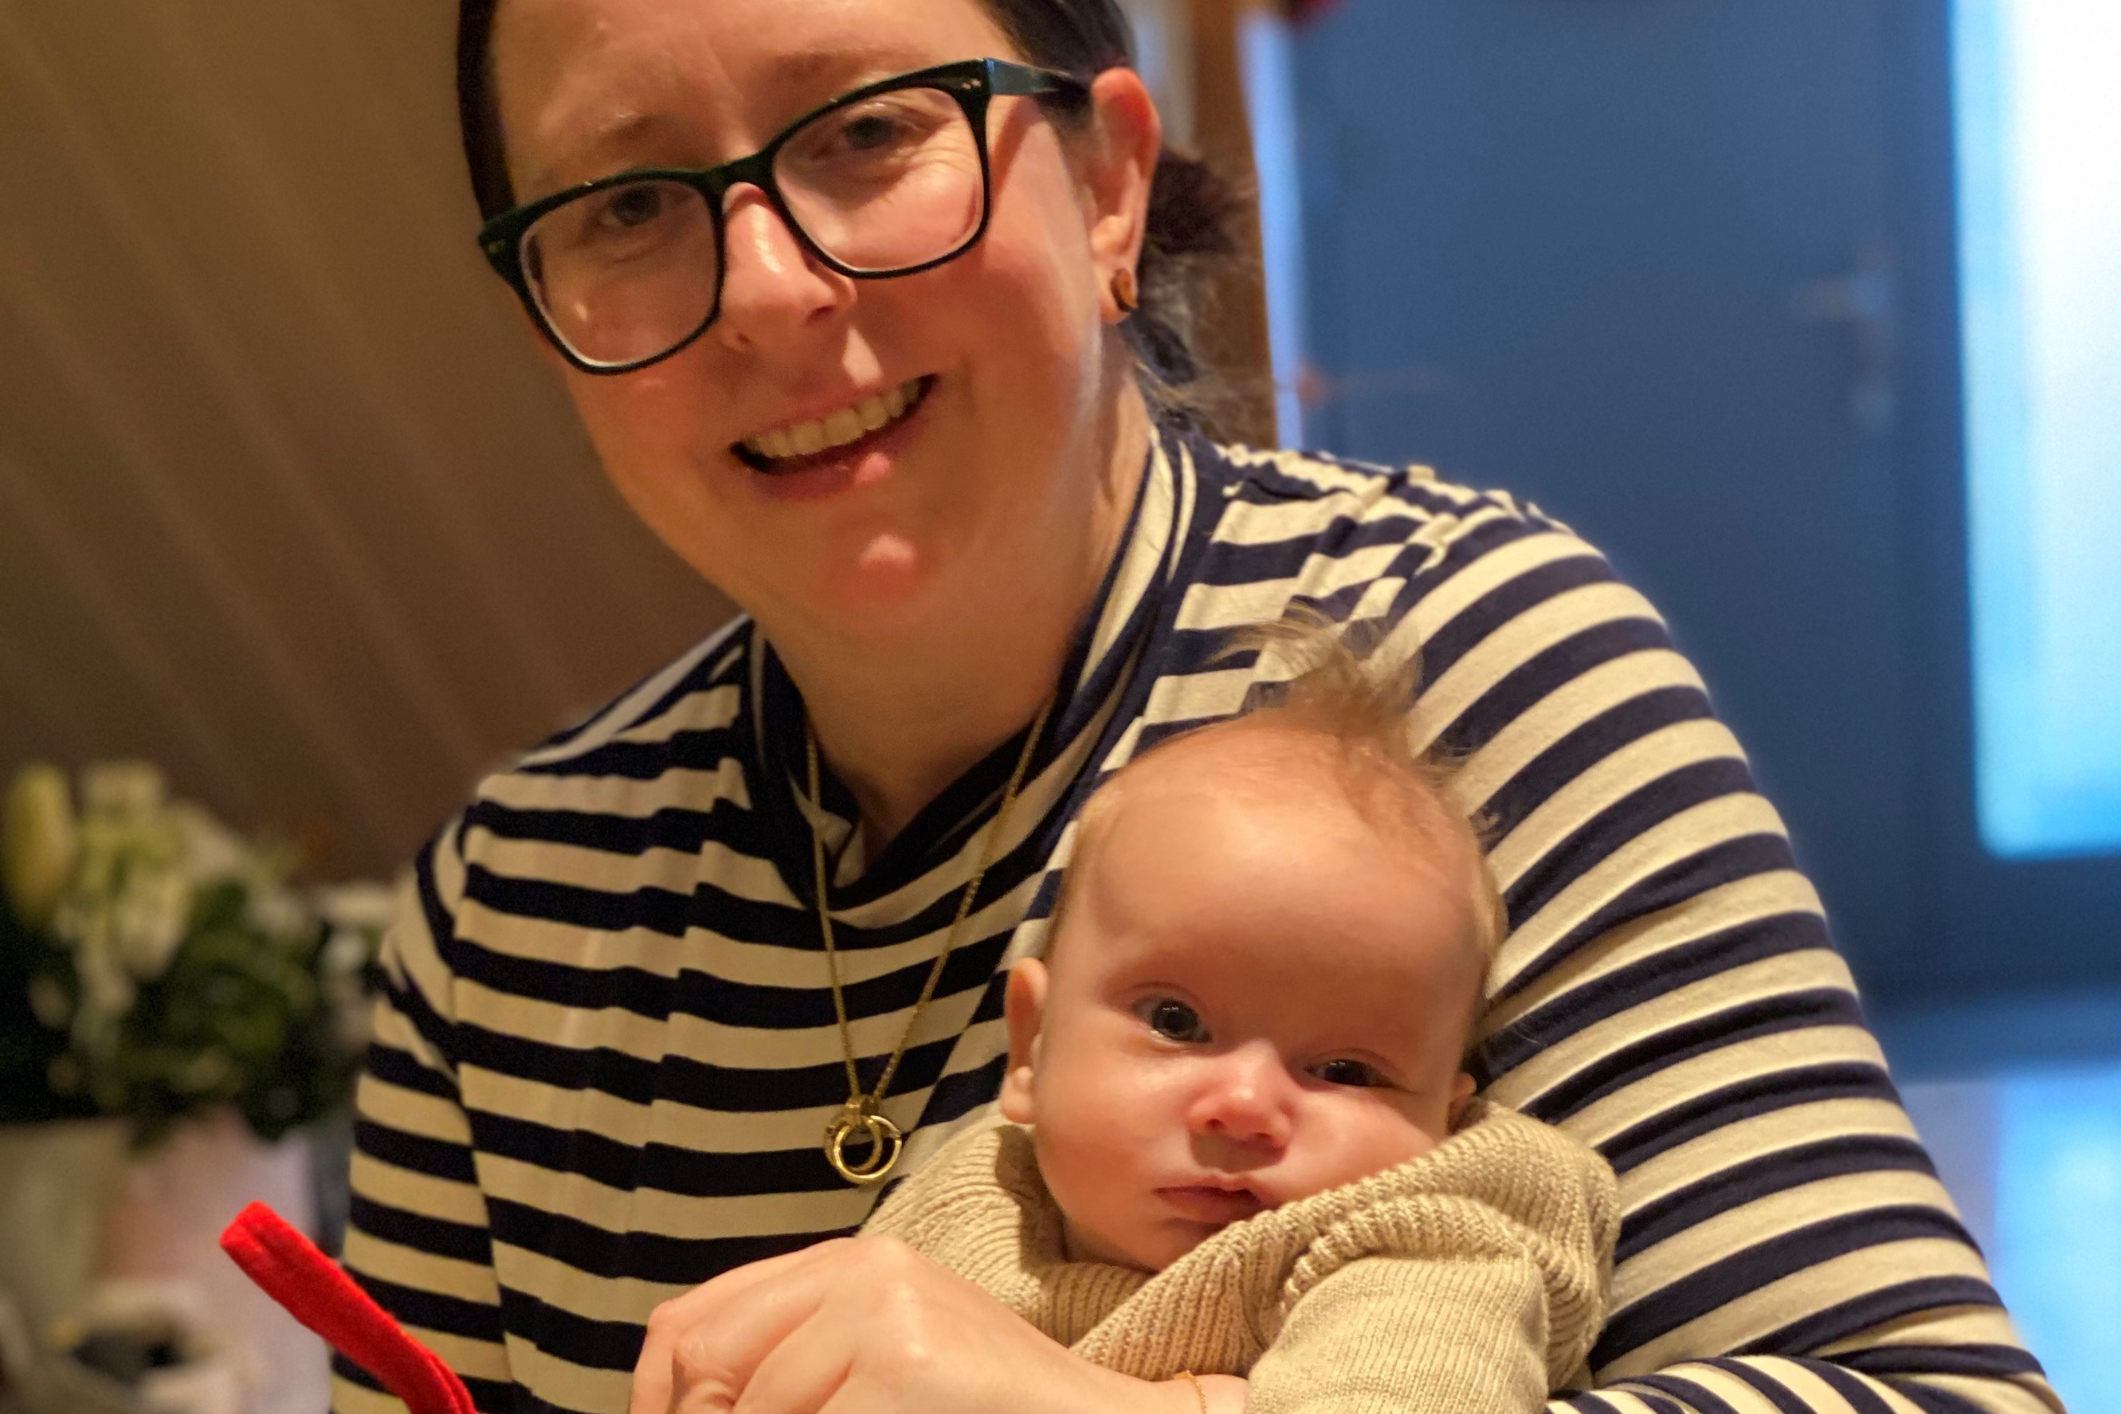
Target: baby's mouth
(1206, 1203)
(846, 433)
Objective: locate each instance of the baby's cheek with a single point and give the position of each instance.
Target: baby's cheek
(1103, 1208)
(1080, 1153)
(1369, 1138)
(1092, 1158)
(1079, 1178)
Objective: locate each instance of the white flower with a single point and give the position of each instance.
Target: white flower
(213, 853)
(340, 978)
(346, 952)
(359, 915)
(278, 912)
(367, 906)
(149, 920)
(107, 990)
(39, 841)
(123, 790)
(128, 903)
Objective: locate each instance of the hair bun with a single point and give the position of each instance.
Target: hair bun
(1191, 226)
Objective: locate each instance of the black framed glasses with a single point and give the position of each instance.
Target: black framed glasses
(890, 179)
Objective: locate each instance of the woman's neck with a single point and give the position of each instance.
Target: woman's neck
(899, 720)
(899, 734)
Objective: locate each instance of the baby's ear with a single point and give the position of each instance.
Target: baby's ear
(1024, 1004)
(1461, 1091)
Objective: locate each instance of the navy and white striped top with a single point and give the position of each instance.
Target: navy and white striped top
(607, 1051)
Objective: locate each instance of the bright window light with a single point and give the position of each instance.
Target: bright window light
(2038, 103)
(1270, 104)
(2057, 1250)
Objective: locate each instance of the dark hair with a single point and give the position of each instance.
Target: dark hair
(1192, 210)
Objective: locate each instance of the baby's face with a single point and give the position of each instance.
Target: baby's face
(1255, 996)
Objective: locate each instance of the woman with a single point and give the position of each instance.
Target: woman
(884, 385)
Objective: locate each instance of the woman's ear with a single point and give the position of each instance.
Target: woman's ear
(1118, 169)
(1024, 1004)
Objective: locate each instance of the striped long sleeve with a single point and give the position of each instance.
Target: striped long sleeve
(419, 1241)
(1669, 994)
(609, 1051)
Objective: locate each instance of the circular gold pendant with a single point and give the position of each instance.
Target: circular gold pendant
(859, 1124)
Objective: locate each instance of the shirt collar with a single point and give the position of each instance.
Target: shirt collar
(1102, 655)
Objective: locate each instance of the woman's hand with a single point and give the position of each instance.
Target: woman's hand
(1222, 1394)
(867, 1325)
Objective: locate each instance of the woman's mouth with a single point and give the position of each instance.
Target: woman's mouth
(839, 439)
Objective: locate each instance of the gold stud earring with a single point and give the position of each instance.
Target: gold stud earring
(1124, 292)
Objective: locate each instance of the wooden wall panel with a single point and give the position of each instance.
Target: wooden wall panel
(288, 502)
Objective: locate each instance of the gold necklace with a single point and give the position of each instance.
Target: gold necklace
(862, 1114)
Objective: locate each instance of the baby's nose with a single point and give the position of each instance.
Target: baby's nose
(1249, 1099)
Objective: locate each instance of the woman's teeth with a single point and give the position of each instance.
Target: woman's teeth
(847, 425)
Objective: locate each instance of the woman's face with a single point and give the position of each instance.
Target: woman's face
(999, 466)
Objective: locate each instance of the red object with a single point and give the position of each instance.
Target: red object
(1301, 10)
(319, 1295)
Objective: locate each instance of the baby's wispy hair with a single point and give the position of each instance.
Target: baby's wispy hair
(1346, 689)
(1349, 686)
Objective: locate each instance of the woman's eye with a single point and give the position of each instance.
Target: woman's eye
(1349, 1072)
(1173, 1020)
(632, 206)
(895, 126)
(870, 133)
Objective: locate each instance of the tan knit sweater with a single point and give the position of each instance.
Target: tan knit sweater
(1471, 1279)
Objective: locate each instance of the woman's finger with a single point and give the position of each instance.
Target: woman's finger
(800, 1374)
(722, 1348)
(719, 1329)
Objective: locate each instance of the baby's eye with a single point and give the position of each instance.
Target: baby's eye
(1349, 1072)
(1172, 1019)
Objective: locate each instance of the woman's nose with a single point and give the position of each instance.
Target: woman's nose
(771, 284)
(1248, 1099)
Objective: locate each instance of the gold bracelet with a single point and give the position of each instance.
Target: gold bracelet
(1198, 1393)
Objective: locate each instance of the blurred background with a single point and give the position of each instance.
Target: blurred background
(1808, 312)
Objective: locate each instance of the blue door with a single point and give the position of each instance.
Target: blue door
(1682, 272)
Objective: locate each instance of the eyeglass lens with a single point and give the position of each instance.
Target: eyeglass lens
(883, 185)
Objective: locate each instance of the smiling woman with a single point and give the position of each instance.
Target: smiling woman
(985, 559)
(1010, 371)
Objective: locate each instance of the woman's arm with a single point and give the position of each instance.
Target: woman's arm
(418, 1238)
(1670, 996)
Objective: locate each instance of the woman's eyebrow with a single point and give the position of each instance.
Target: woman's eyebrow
(807, 77)
(596, 153)
(808, 65)
(880, 58)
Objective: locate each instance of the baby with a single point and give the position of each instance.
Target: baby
(1239, 1137)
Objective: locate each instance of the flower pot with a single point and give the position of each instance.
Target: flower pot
(165, 1226)
(56, 1180)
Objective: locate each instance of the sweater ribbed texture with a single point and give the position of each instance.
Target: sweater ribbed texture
(1472, 1278)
